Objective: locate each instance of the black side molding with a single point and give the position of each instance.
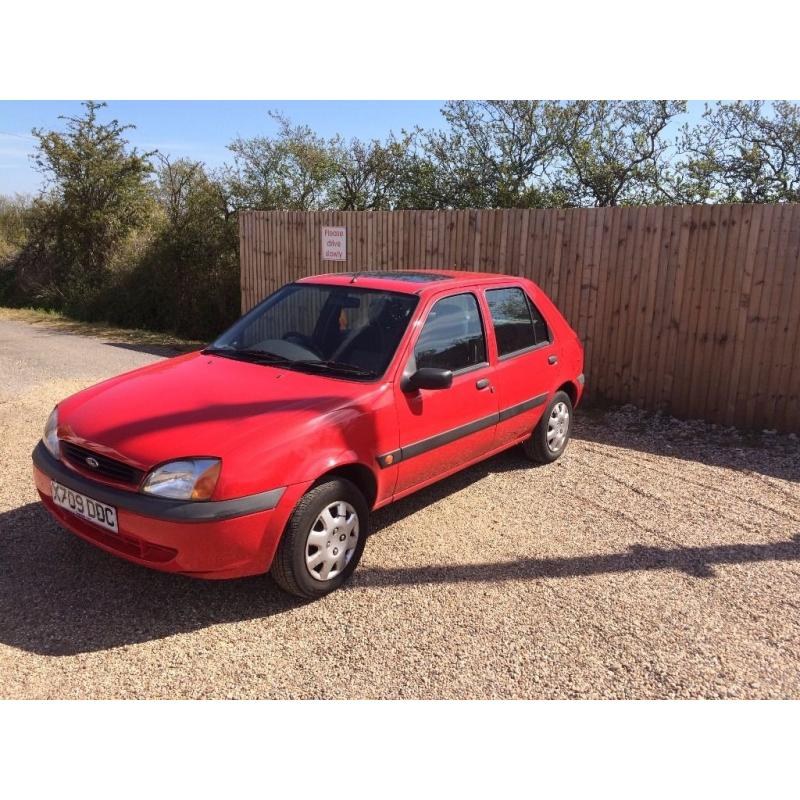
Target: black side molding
(432, 442)
(423, 446)
(156, 507)
(521, 408)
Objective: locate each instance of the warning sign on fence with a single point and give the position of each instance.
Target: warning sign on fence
(334, 244)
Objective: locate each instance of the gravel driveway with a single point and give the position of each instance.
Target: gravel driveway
(656, 559)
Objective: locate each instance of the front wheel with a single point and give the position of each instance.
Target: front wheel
(323, 540)
(549, 438)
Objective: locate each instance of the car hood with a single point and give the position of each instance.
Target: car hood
(200, 405)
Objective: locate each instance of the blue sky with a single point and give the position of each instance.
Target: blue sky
(202, 129)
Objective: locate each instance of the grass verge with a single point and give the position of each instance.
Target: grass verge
(53, 320)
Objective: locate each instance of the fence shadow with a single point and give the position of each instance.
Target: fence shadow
(61, 596)
(698, 562)
(164, 351)
(775, 456)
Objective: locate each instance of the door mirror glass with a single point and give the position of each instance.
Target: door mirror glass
(427, 378)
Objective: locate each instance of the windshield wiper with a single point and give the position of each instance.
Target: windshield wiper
(266, 357)
(263, 356)
(338, 366)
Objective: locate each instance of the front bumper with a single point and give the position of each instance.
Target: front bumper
(212, 539)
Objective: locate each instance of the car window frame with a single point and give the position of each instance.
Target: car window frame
(524, 350)
(412, 357)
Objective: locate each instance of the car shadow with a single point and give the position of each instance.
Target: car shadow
(511, 460)
(60, 596)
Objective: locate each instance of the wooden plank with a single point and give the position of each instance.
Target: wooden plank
(586, 269)
(757, 320)
(574, 232)
(595, 333)
(475, 221)
(600, 366)
(502, 222)
(633, 291)
(641, 337)
(523, 233)
(695, 386)
(762, 225)
(687, 330)
(662, 305)
(248, 243)
(259, 253)
(459, 260)
(740, 301)
(733, 239)
(762, 398)
(245, 262)
(787, 377)
(616, 333)
(534, 260)
(589, 273)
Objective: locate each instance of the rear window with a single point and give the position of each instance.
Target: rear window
(518, 324)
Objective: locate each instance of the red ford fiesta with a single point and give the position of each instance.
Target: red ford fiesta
(336, 395)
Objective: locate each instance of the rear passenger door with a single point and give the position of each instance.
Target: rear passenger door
(526, 361)
(443, 429)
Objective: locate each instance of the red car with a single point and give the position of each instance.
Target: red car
(334, 396)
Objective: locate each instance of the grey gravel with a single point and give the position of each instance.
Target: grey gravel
(658, 558)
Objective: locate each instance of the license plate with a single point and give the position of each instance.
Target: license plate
(79, 504)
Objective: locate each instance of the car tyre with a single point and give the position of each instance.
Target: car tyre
(314, 556)
(551, 435)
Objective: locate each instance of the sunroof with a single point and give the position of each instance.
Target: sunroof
(411, 277)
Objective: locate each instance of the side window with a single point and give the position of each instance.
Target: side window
(452, 337)
(539, 325)
(517, 322)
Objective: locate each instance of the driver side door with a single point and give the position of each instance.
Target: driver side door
(442, 429)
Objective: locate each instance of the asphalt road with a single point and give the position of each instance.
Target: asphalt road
(656, 559)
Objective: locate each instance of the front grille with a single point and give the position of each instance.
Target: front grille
(106, 467)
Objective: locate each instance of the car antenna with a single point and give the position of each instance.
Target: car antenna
(355, 275)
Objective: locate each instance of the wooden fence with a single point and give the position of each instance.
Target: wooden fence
(693, 310)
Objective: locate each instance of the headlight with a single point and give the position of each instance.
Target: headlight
(50, 437)
(187, 479)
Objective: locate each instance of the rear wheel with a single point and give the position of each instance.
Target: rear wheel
(549, 438)
(323, 540)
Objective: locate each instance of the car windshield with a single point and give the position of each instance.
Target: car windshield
(347, 331)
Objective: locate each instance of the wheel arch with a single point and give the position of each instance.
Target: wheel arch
(570, 388)
(357, 473)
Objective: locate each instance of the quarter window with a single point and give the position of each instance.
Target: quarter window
(452, 337)
(517, 322)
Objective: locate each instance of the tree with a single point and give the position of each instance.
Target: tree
(187, 279)
(366, 175)
(742, 152)
(615, 151)
(95, 194)
(290, 171)
(12, 224)
(494, 153)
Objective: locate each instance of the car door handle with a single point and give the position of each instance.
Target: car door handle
(483, 383)
(552, 360)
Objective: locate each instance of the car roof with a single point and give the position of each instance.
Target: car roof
(410, 281)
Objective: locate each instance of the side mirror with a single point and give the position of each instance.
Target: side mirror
(427, 378)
